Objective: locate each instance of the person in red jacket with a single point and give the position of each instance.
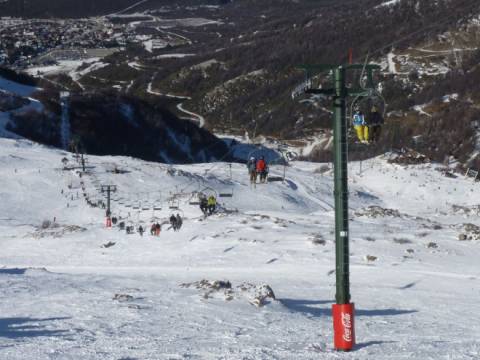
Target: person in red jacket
(262, 169)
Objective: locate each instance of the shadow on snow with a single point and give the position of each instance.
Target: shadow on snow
(13, 328)
(12, 271)
(312, 308)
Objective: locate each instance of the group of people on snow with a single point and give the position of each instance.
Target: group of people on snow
(155, 229)
(208, 205)
(176, 222)
(368, 128)
(257, 168)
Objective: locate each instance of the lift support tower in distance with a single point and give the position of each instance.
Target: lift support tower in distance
(108, 189)
(343, 309)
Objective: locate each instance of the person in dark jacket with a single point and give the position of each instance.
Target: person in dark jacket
(375, 122)
(252, 170)
(179, 221)
(204, 204)
(173, 222)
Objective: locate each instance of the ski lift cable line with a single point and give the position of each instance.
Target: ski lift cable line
(443, 21)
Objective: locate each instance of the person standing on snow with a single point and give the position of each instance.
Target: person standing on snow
(252, 170)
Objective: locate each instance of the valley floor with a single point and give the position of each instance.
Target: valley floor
(76, 290)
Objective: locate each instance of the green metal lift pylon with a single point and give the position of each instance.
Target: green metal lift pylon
(343, 311)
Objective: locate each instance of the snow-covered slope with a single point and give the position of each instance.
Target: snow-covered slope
(76, 290)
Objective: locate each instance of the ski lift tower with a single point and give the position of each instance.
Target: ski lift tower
(343, 310)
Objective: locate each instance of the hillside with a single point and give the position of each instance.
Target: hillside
(222, 66)
(75, 289)
(103, 123)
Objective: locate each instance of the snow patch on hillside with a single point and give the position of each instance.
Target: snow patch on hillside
(16, 88)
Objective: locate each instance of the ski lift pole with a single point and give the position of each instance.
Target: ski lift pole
(341, 189)
(109, 189)
(343, 310)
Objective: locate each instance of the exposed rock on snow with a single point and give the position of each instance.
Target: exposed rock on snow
(317, 239)
(469, 232)
(466, 210)
(258, 295)
(377, 211)
(402, 241)
(123, 297)
(408, 157)
(48, 229)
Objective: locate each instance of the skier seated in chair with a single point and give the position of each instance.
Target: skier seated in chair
(360, 127)
(252, 170)
(179, 221)
(203, 204)
(173, 222)
(375, 123)
(262, 169)
(212, 204)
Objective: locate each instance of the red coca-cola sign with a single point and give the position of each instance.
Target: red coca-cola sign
(343, 326)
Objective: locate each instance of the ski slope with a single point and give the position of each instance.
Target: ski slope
(68, 293)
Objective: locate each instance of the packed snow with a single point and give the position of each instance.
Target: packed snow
(253, 281)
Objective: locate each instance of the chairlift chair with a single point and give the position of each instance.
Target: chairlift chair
(174, 204)
(194, 199)
(274, 178)
(226, 194)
